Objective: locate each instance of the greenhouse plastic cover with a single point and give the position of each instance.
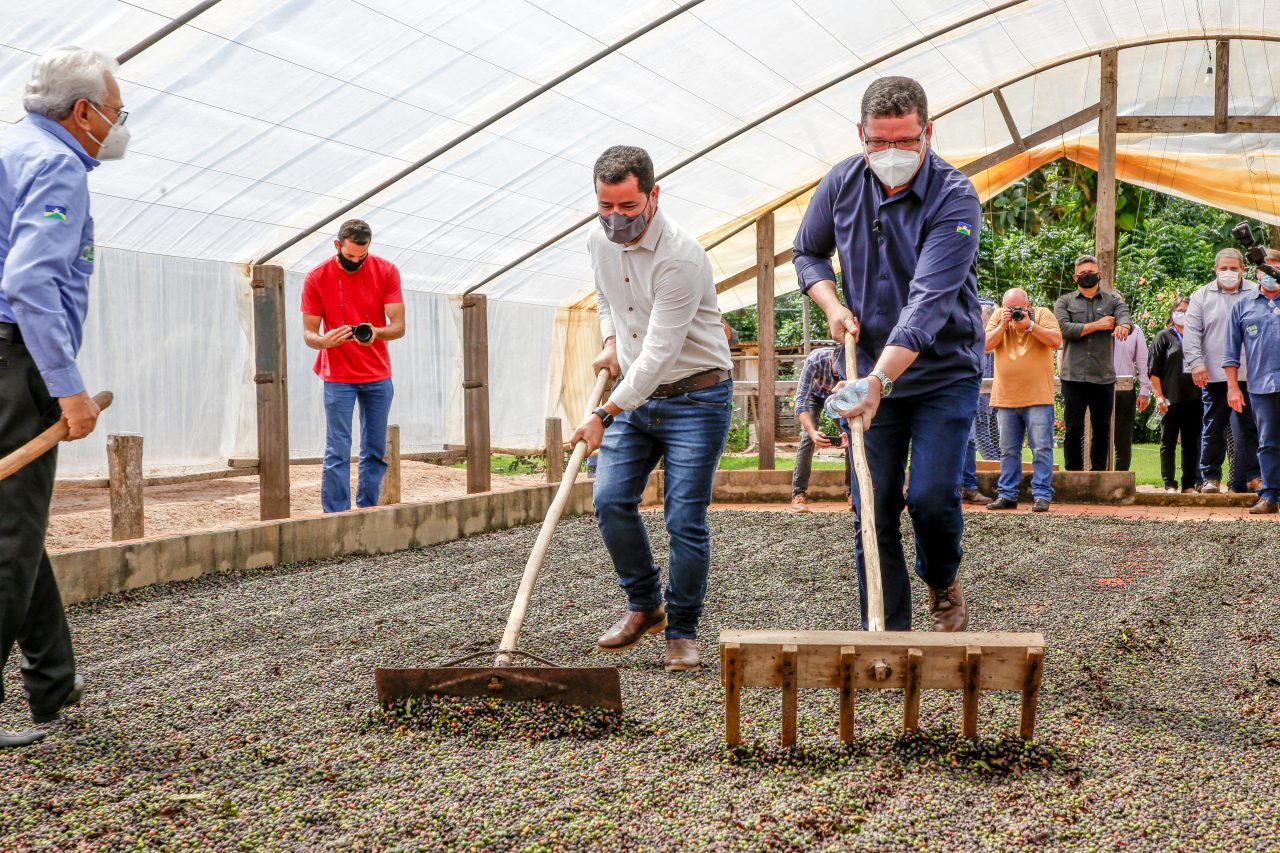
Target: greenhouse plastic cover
(256, 120)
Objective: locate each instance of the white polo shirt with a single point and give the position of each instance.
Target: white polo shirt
(658, 298)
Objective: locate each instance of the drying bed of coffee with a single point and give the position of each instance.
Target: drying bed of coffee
(238, 711)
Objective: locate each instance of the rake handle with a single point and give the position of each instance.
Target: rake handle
(44, 442)
(866, 501)
(511, 636)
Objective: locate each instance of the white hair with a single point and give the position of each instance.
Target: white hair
(1229, 252)
(63, 76)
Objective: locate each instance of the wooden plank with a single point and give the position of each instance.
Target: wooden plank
(475, 384)
(1221, 64)
(848, 666)
(271, 380)
(971, 670)
(787, 677)
(1196, 124)
(745, 275)
(1031, 140)
(766, 426)
(1104, 220)
(1031, 692)
(1018, 142)
(390, 493)
(555, 450)
(781, 387)
(919, 639)
(124, 476)
(911, 697)
(731, 673)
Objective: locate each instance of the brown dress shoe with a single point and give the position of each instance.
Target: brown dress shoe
(799, 502)
(631, 628)
(681, 655)
(946, 606)
(1263, 507)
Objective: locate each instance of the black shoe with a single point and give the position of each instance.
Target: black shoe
(14, 740)
(1041, 505)
(1002, 503)
(73, 698)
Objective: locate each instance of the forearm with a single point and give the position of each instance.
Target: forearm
(895, 360)
(994, 337)
(823, 293)
(1052, 338)
(312, 339)
(806, 422)
(391, 332)
(1233, 377)
(1156, 388)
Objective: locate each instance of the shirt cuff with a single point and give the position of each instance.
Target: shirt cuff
(626, 397)
(63, 382)
(1230, 362)
(909, 337)
(810, 271)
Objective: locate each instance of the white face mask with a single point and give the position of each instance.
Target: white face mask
(113, 145)
(1268, 283)
(1228, 278)
(894, 167)
(1179, 318)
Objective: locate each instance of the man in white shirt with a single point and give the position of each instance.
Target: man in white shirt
(662, 334)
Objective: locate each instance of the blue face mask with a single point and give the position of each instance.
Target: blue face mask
(624, 229)
(1268, 282)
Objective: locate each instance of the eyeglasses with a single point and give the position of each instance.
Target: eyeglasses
(122, 115)
(912, 143)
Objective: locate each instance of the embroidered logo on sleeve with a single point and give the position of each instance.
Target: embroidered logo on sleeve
(86, 254)
(53, 211)
(963, 229)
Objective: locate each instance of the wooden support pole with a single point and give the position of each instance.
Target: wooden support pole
(1018, 142)
(1221, 64)
(787, 675)
(1273, 238)
(731, 672)
(271, 379)
(475, 384)
(768, 367)
(555, 450)
(972, 665)
(1031, 692)
(806, 326)
(848, 678)
(1104, 219)
(911, 695)
(124, 471)
(390, 493)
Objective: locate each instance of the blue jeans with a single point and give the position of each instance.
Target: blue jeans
(339, 401)
(934, 429)
(1037, 423)
(1213, 441)
(1266, 410)
(688, 433)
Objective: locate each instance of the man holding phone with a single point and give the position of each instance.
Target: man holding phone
(818, 377)
(357, 296)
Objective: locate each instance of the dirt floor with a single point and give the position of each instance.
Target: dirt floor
(237, 711)
(82, 517)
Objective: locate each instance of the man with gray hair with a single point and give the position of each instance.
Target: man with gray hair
(1204, 347)
(75, 118)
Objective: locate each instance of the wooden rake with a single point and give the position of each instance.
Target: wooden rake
(876, 659)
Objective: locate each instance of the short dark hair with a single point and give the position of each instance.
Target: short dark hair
(1086, 259)
(616, 163)
(896, 97)
(355, 230)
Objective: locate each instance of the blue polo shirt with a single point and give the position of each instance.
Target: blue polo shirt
(1255, 327)
(46, 245)
(908, 264)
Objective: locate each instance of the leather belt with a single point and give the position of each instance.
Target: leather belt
(10, 333)
(696, 382)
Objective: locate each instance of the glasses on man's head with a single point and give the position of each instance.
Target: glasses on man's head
(911, 143)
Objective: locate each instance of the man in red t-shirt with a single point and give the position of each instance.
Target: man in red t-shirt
(357, 296)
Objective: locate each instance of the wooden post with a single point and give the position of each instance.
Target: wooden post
(787, 674)
(271, 379)
(1273, 238)
(124, 470)
(555, 451)
(911, 705)
(848, 678)
(475, 384)
(731, 666)
(806, 326)
(972, 665)
(1104, 219)
(390, 493)
(1031, 692)
(1220, 71)
(767, 364)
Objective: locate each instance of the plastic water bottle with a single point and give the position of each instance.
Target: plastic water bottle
(846, 398)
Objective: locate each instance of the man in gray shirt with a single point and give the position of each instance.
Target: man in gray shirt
(1090, 318)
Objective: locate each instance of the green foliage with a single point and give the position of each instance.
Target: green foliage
(739, 436)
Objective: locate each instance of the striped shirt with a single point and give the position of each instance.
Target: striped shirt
(817, 378)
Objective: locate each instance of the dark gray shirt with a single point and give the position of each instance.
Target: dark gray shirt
(1087, 358)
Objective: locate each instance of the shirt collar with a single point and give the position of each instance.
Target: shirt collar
(53, 128)
(652, 236)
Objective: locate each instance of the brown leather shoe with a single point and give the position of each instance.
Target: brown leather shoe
(799, 502)
(1263, 507)
(946, 606)
(631, 628)
(681, 655)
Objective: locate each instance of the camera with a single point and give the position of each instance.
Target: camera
(1017, 313)
(363, 332)
(1256, 255)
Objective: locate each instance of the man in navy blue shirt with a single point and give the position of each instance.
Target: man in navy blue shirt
(905, 225)
(1253, 335)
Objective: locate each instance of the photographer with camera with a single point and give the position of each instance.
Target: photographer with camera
(357, 296)
(1023, 340)
(817, 379)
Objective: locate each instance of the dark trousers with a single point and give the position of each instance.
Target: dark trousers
(1126, 408)
(1218, 418)
(1181, 424)
(804, 454)
(30, 605)
(1266, 409)
(1098, 399)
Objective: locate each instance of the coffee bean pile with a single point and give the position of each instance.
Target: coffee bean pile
(239, 710)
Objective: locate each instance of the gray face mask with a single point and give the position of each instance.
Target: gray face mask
(624, 229)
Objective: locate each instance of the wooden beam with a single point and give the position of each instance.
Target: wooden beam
(972, 672)
(1221, 61)
(911, 695)
(1031, 693)
(767, 367)
(790, 697)
(1104, 218)
(1018, 142)
(475, 385)
(555, 450)
(732, 674)
(124, 475)
(390, 493)
(751, 272)
(271, 378)
(1273, 240)
(848, 680)
(744, 225)
(1196, 124)
(1032, 140)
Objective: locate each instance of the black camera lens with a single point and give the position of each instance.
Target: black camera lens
(1017, 313)
(363, 332)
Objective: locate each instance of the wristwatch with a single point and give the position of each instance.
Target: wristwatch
(886, 384)
(604, 416)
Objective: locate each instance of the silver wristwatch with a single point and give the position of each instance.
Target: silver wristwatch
(886, 384)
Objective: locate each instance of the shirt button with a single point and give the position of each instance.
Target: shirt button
(633, 334)
(627, 280)
(629, 308)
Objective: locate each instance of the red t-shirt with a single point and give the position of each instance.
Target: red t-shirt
(341, 298)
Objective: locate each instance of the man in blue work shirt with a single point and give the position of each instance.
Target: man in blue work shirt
(74, 118)
(905, 224)
(1255, 328)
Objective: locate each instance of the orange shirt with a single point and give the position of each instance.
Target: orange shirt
(1023, 365)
